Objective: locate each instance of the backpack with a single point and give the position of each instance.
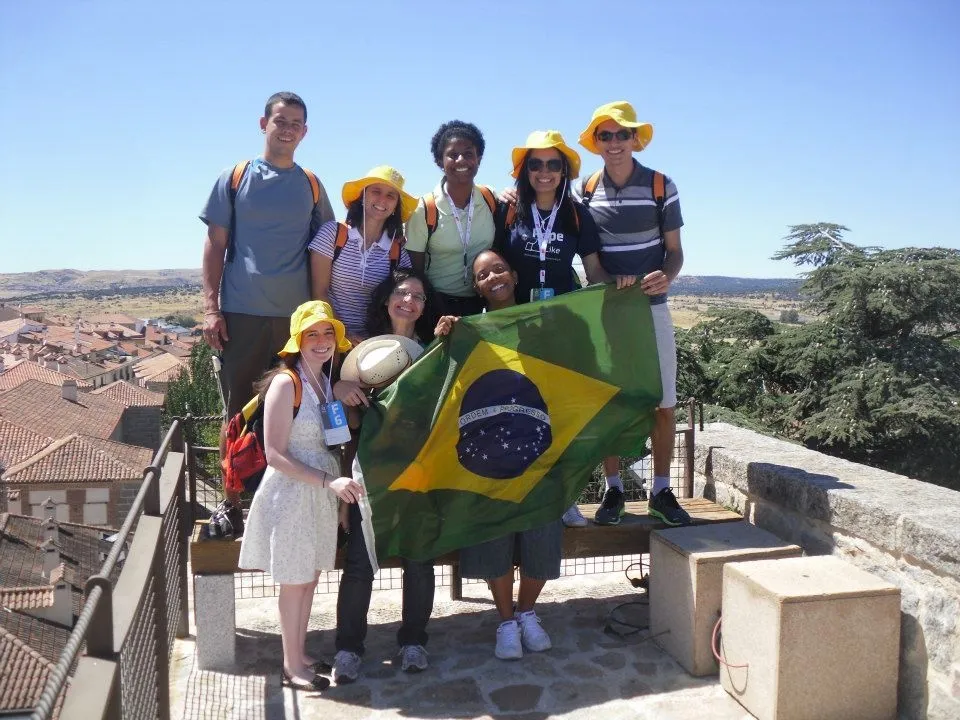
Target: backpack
(430, 207)
(239, 170)
(244, 459)
(658, 186)
(395, 247)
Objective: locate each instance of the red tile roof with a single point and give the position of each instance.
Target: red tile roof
(18, 443)
(40, 407)
(74, 459)
(23, 370)
(130, 395)
(25, 673)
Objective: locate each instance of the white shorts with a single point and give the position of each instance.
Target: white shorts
(667, 353)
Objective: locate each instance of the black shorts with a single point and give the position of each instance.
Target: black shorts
(250, 352)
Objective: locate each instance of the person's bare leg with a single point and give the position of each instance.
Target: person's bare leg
(308, 661)
(502, 590)
(662, 440)
(290, 604)
(528, 593)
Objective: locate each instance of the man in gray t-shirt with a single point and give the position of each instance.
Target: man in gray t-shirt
(255, 260)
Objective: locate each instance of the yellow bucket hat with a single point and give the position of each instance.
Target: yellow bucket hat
(388, 176)
(542, 140)
(310, 313)
(623, 114)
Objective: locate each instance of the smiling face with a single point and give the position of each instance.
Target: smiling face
(406, 302)
(544, 180)
(379, 201)
(616, 153)
(284, 128)
(460, 161)
(318, 343)
(493, 279)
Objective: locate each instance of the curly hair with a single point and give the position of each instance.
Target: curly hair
(455, 129)
(378, 319)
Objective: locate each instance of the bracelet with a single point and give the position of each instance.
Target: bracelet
(213, 312)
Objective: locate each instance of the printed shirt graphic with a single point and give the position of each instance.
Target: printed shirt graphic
(497, 428)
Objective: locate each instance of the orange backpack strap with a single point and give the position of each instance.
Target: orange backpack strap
(314, 185)
(235, 177)
(341, 241)
(511, 216)
(395, 247)
(489, 197)
(430, 213)
(297, 389)
(659, 196)
(590, 187)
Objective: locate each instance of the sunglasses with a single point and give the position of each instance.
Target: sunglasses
(622, 135)
(536, 165)
(417, 297)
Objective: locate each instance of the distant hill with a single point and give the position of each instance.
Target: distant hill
(130, 282)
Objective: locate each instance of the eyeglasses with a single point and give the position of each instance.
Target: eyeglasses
(536, 165)
(622, 135)
(417, 297)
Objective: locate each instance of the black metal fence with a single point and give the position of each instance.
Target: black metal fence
(126, 629)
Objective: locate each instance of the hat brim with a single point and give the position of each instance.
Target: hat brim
(293, 343)
(350, 369)
(640, 141)
(519, 153)
(353, 189)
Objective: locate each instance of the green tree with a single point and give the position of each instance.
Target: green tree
(195, 391)
(875, 380)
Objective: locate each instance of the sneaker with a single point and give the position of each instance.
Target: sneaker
(226, 521)
(573, 517)
(508, 641)
(664, 506)
(534, 637)
(611, 509)
(413, 658)
(346, 667)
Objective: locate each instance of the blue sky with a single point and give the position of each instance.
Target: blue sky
(118, 116)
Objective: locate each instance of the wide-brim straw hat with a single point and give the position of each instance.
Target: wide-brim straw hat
(378, 361)
(311, 313)
(543, 140)
(623, 114)
(387, 175)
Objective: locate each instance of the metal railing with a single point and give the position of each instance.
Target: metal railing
(127, 628)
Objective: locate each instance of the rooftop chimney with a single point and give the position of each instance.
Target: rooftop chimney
(69, 390)
(49, 529)
(51, 557)
(49, 508)
(62, 610)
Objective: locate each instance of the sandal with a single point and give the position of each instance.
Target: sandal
(318, 683)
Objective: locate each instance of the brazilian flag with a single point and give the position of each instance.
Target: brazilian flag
(497, 427)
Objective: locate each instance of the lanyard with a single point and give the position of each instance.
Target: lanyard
(464, 234)
(325, 391)
(364, 253)
(543, 236)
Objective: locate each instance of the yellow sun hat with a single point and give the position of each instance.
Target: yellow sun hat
(311, 313)
(543, 140)
(388, 176)
(623, 114)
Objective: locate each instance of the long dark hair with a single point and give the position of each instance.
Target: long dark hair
(393, 225)
(378, 320)
(526, 195)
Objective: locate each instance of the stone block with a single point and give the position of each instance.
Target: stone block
(810, 638)
(216, 619)
(685, 583)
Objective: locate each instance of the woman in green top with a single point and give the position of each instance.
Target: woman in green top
(464, 224)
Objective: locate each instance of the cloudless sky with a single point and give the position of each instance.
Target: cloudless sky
(117, 116)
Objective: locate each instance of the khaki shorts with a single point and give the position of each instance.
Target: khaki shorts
(666, 352)
(250, 352)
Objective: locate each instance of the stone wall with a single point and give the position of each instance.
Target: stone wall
(126, 493)
(141, 426)
(903, 530)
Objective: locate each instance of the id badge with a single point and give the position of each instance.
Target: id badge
(541, 294)
(334, 422)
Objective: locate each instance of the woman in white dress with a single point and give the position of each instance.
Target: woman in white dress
(292, 526)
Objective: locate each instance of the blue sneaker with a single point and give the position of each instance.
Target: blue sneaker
(664, 507)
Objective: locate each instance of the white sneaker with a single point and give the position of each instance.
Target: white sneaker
(346, 667)
(508, 641)
(534, 637)
(573, 517)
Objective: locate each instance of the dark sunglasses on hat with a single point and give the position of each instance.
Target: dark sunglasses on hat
(622, 135)
(536, 165)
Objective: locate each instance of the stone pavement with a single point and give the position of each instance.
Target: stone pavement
(588, 671)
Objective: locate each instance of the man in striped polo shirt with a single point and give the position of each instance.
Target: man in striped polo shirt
(639, 242)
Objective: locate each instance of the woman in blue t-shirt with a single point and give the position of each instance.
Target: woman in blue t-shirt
(540, 233)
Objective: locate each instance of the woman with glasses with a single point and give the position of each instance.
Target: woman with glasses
(403, 304)
(348, 260)
(540, 233)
